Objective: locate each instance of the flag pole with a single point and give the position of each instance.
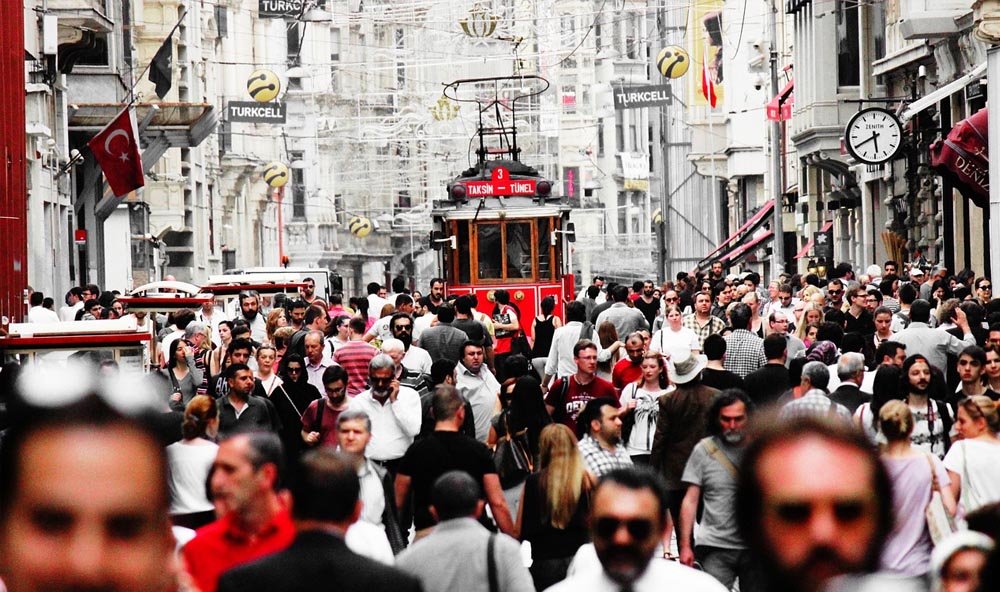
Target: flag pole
(138, 78)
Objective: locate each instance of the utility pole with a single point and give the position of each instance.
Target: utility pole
(663, 233)
(777, 183)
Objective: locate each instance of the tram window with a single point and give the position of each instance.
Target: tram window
(544, 258)
(519, 250)
(463, 253)
(490, 251)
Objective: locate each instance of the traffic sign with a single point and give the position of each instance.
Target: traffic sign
(501, 185)
(823, 244)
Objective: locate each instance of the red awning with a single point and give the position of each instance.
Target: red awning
(779, 108)
(963, 157)
(809, 245)
(734, 256)
(748, 226)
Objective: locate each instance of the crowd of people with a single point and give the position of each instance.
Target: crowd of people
(709, 433)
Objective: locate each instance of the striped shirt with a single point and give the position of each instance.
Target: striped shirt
(354, 357)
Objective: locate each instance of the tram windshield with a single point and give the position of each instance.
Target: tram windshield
(504, 251)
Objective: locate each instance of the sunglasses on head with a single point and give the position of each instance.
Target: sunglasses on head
(638, 528)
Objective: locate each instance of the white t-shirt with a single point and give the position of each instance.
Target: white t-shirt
(647, 409)
(189, 467)
(380, 328)
(420, 323)
(40, 314)
(977, 464)
(666, 339)
(586, 574)
(417, 360)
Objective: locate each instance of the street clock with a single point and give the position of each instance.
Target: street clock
(874, 135)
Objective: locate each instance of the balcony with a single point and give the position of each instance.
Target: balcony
(90, 15)
(931, 19)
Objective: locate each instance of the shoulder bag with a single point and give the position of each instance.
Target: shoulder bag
(720, 457)
(511, 455)
(940, 523)
(491, 564)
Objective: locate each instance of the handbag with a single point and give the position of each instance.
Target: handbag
(511, 456)
(940, 522)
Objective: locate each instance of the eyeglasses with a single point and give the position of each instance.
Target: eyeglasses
(294, 370)
(674, 299)
(834, 292)
(986, 287)
(638, 528)
(406, 328)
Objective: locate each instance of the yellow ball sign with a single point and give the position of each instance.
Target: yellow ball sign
(360, 226)
(263, 86)
(673, 61)
(276, 174)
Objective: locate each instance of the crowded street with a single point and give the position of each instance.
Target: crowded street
(497, 296)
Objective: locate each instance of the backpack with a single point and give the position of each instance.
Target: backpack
(903, 318)
(586, 331)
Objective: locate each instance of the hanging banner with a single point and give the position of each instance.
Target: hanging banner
(705, 38)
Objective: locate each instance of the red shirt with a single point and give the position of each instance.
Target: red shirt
(624, 372)
(568, 407)
(354, 357)
(222, 545)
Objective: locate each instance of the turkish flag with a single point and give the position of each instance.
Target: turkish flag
(116, 149)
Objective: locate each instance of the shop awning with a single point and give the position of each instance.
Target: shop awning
(779, 108)
(963, 157)
(736, 255)
(949, 89)
(742, 233)
(809, 245)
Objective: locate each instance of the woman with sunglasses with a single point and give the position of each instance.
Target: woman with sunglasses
(291, 399)
(554, 506)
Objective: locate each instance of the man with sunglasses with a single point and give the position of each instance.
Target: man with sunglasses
(834, 296)
(415, 359)
(806, 526)
(627, 522)
(394, 411)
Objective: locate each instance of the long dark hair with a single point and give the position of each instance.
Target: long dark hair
(283, 369)
(172, 357)
(885, 388)
(526, 410)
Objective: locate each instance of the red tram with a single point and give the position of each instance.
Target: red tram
(500, 227)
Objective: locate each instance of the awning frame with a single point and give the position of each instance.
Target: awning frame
(947, 90)
(744, 231)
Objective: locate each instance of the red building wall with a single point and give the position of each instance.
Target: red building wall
(13, 191)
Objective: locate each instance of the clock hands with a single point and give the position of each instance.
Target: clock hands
(874, 138)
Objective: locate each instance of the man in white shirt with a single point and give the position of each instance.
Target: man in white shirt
(250, 312)
(627, 521)
(211, 315)
(317, 361)
(74, 302)
(394, 411)
(416, 359)
(479, 387)
(375, 302)
(38, 313)
(380, 329)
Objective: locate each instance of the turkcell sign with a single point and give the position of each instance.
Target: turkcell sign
(500, 188)
(636, 97)
(254, 112)
(279, 8)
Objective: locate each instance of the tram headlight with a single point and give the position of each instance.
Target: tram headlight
(543, 188)
(458, 192)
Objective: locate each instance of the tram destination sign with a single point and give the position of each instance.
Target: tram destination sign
(501, 185)
(254, 112)
(636, 97)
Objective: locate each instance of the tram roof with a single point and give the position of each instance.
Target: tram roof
(494, 209)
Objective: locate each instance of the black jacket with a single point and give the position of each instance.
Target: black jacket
(849, 395)
(316, 560)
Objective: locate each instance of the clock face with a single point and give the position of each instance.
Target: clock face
(874, 135)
